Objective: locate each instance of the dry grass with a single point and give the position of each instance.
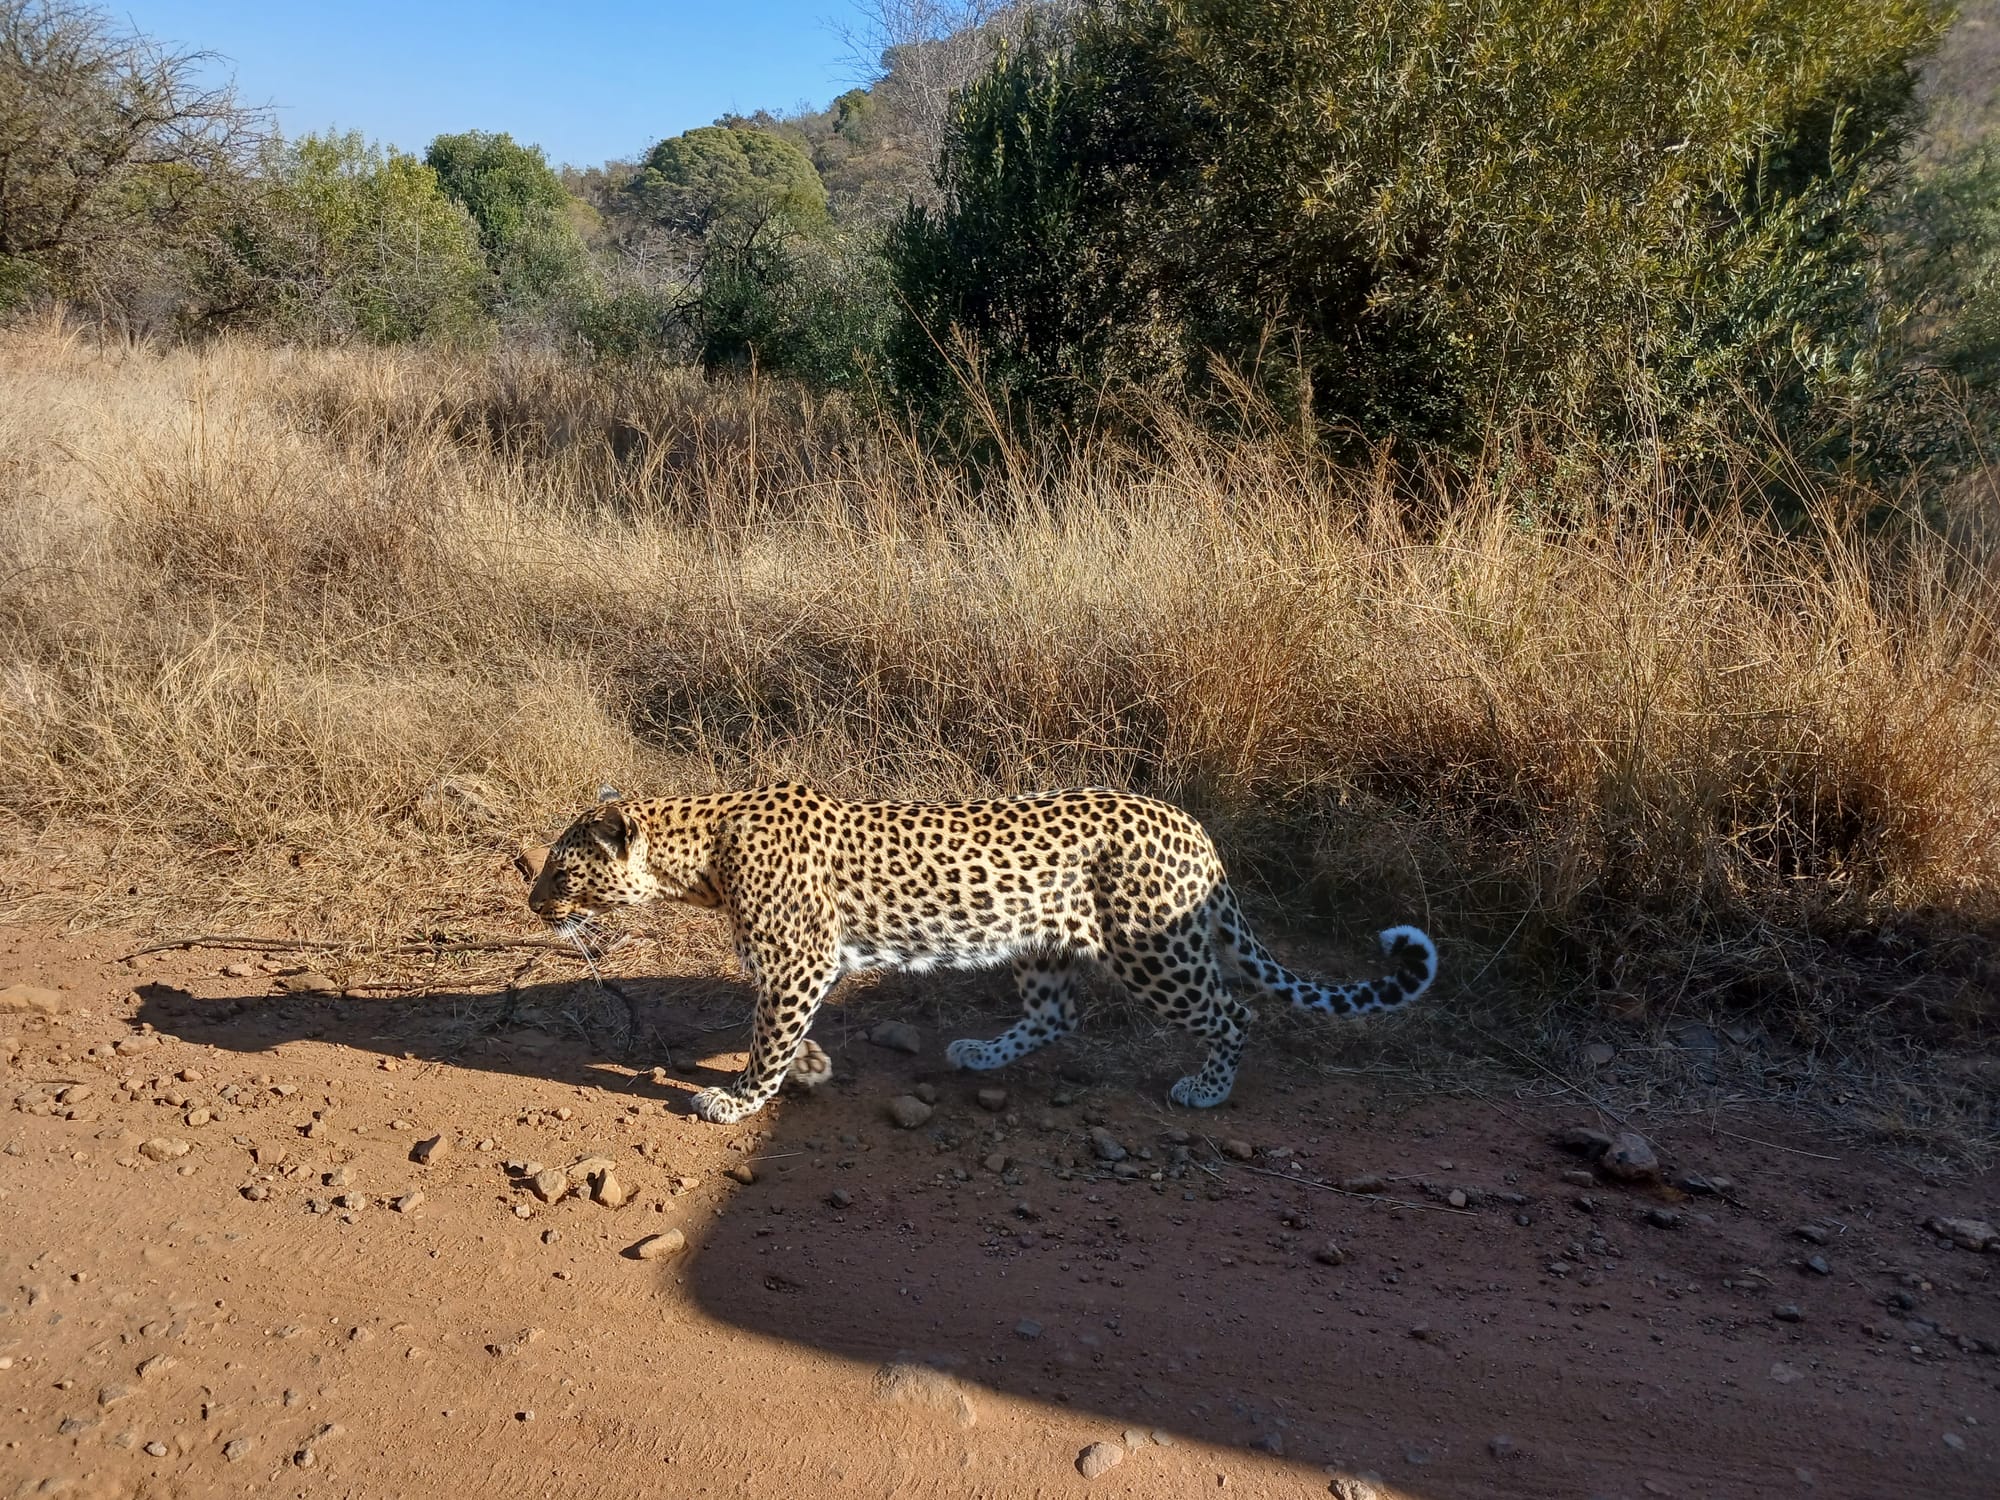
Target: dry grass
(313, 641)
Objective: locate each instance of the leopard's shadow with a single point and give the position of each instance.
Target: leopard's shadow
(988, 1241)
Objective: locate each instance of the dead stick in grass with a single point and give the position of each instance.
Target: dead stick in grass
(1574, 1088)
(1327, 1187)
(284, 945)
(1795, 1150)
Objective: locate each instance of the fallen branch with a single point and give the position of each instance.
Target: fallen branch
(1327, 1187)
(286, 945)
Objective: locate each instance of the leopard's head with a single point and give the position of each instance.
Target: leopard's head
(598, 863)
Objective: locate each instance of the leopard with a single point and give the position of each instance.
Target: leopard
(1055, 884)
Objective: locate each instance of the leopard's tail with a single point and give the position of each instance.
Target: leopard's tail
(1410, 949)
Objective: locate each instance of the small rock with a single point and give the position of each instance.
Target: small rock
(410, 1202)
(34, 998)
(1104, 1145)
(660, 1246)
(1456, 1198)
(239, 971)
(1330, 1254)
(1951, 1440)
(236, 1448)
(427, 1151)
(550, 1184)
(1812, 1234)
(840, 1198)
(1664, 1218)
(1788, 1312)
(1366, 1182)
(1581, 1140)
(160, 1148)
(926, 1092)
(155, 1364)
(907, 1111)
(741, 1172)
(920, 1385)
(1099, 1458)
(157, 1448)
(339, 1177)
(311, 982)
(1785, 1374)
(1133, 1438)
(1028, 1328)
(256, 1192)
(608, 1192)
(1501, 1446)
(1630, 1159)
(352, 1202)
(992, 1100)
(995, 1162)
(1967, 1234)
(305, 1458)
(1237, 1149)
(1599, 1055)
(1818, 1266)
(197, 1117)
(897, 1036)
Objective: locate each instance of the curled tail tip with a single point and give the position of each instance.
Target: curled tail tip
(1414, 953)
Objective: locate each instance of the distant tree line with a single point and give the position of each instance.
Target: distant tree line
(1410, 218)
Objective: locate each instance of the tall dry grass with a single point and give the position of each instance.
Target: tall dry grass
(315, 640)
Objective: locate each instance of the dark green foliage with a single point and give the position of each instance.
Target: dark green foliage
(1407, 215)
(523, 212)
(339, 238)
(730, 179)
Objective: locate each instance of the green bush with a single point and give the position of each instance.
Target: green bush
(526, 229)
(1406, 215)
(341, 237)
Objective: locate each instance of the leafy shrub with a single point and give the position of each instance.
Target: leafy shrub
(1403, 215)
(341, 237)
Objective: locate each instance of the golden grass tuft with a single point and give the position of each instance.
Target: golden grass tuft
(315, 639)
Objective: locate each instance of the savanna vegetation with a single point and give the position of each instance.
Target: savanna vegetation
(1513, 464)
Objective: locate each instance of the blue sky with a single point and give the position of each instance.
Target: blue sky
(584, 81)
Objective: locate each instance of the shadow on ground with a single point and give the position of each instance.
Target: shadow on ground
(1535, 1341)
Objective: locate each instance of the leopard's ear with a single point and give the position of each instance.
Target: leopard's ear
(606, 792)
(611, 830)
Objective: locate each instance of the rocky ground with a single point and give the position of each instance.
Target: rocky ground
(261, 1238)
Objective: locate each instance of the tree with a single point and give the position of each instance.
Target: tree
(345, 238)
(1406, 214)
(724, 178)
(526, 229)
(113, 154)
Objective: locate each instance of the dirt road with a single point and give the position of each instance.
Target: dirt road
(260, 1243)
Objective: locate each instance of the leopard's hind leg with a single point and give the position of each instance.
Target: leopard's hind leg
(1047, 983)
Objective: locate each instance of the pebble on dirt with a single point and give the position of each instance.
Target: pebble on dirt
(425, 1151)
(660, 1246)
(550, 1184)
(992, 1100)
(1105, 1145)
(408, 1203)
(1330, 1254)
(1967, 1234)
(742, 1172)
(608, 1192)
(907, 1111)
(1237, 1149)
(897, 1036)
(1630, 1159)
(1099, 1458)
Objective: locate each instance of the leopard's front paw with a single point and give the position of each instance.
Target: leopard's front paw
(970, 1052)
(811, 1067)
(1196, 1092)
(720, 1106)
